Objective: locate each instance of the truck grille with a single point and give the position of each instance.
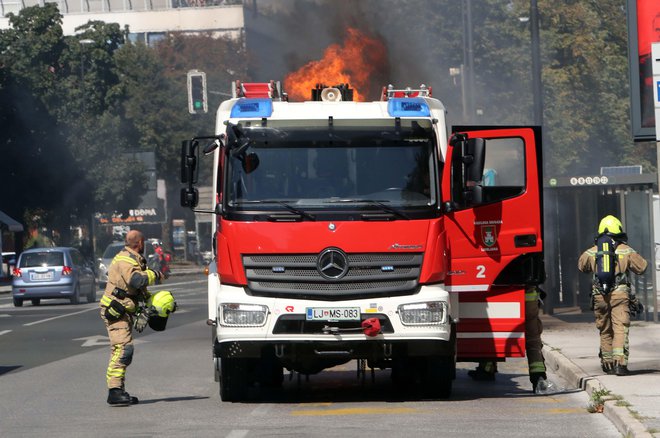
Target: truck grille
(361, 275)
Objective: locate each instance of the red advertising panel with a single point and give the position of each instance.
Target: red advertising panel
(643, 30)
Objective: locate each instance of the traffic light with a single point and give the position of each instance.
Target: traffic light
(197, 102)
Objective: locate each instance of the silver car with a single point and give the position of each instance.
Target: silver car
(59, 272)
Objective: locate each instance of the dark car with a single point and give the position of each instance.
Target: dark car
(59, 272)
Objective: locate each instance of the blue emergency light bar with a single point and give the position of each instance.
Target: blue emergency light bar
(252, 108)
(408, 107)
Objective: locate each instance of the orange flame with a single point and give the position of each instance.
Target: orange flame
(353, 63)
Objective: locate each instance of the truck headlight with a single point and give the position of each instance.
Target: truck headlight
(429, 313)
(243, 315)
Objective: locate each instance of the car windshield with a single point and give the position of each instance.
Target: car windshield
(315, 164)
(46, 258)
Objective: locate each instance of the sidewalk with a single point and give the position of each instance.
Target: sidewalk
(571, 350)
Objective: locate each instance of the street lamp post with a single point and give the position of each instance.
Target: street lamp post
(86, 42)
(83, 43)
(537, 88)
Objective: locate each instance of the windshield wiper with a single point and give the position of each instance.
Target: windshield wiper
(386, 208)
(289, 207)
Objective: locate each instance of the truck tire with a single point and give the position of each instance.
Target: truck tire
(91, 296)
(233, 380)
(438, 376)
(270, 372)
(75, 298)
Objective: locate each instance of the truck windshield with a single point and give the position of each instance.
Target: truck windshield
(314, 164)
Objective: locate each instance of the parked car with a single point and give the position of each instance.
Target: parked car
(59, 272)
(111, 251)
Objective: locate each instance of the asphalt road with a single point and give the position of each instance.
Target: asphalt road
(53, 360)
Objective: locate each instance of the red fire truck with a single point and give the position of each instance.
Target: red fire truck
(364, 231)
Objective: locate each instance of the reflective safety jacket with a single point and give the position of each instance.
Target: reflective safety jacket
(627, 260)
(128, 273)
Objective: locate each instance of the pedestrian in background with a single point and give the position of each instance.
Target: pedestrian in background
(611, 258)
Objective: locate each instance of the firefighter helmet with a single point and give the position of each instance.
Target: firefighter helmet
(160, 305)
(610, 224)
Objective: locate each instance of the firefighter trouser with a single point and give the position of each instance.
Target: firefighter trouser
(121, 350)
(533, 330)
(613, 322)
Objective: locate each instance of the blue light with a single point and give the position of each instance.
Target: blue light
(252, 108)
(408, 107)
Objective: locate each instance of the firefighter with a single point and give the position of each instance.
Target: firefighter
(128, 278)
(486, 370)
(611, 303)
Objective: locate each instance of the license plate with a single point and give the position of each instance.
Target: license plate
(36, 276)
(333, 314)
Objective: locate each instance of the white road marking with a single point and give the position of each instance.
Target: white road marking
(237, 433)
(260, 410)
(94, 341)
(4, 332)
(60, 316)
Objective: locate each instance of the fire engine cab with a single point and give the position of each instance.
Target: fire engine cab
(364, 231)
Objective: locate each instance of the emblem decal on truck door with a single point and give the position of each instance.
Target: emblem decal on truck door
(488, 235)
(332, 263)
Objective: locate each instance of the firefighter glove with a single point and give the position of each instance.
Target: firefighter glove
(114, 311)
(141, 321)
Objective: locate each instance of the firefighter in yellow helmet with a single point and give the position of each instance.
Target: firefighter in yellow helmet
(128, 278)
(611, 260)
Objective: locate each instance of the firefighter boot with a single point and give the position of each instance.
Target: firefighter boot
(608, 367)
(118, 397)
(539, 382)
(621, 370)
(134, 400)
(485, 371)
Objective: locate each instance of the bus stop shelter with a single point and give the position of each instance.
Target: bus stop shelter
(573, 207)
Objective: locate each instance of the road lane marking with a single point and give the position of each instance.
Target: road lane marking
(238, 433)
(60, 316)
(355, 411)
(260, 410)
(4, 332)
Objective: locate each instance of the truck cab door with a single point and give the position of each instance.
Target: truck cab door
(493, 224)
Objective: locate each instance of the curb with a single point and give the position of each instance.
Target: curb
(620, 416)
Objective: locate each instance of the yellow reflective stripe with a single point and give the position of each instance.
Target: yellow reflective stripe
(152, 277)
(591, 253)
(617, 351)
(532, 295)
(106, 300)
(606, 260)
(121, 258)
(537, 367)
(624, 251)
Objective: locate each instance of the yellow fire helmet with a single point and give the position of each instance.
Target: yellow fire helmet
(160, 305)
(610, 224)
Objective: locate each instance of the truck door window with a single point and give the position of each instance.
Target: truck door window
(504, 170)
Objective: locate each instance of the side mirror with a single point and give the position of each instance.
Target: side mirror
(474, 160)
(189, 162)
(189, 197)
(468, 162)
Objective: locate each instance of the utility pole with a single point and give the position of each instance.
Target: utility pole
(537, 88)
(468, 60)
